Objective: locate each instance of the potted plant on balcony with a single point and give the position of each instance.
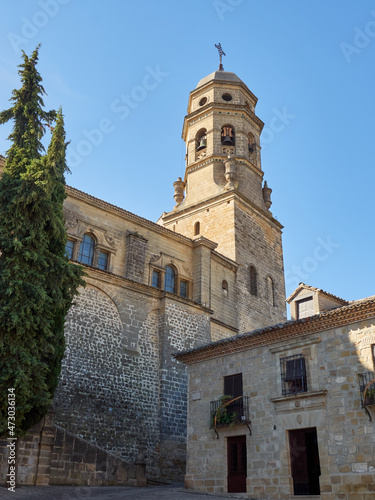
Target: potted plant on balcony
(224, 415)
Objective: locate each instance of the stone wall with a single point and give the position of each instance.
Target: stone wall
(120, 388)
(48, 454)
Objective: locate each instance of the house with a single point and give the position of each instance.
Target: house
(287, 411)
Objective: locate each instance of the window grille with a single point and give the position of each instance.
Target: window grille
(103, 261)
(293, 374)
(170, 280)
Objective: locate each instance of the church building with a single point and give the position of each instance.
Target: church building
(210, 269)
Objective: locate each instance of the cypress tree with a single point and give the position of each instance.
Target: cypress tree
(37, 282)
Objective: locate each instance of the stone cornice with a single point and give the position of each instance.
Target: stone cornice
(108, 207)
(220, 198)
(354, 312)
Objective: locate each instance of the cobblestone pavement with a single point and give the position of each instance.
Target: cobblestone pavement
(170, 492)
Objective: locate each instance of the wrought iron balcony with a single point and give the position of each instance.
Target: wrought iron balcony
(367, 389)
(228, 411)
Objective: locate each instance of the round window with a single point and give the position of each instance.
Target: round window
(203, 101)
(227, 97)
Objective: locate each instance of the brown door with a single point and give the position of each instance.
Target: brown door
(304, 460)
(237, 464)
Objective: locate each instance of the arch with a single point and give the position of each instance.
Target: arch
(253, 281)
(228, 134)
(197, 228)
(170, 279)
(201, 139)
(270, 291)
(224, 286)
(251, 142)
(87, 249)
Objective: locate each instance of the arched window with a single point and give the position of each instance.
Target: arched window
(86, 250)
(228, 136)
(201, 139)
(170, 279)
(197, 228)
(270, 291)
(253, 281)
(224, 287)
(251, 142)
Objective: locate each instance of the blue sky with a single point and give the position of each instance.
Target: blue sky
(311, 65)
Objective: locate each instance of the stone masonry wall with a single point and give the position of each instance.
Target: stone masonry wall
(109, 384)
(258, 244)
(181, 328)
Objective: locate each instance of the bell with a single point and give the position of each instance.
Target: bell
(202, 143)
(228, 141)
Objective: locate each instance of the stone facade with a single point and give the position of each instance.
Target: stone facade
(337, 348)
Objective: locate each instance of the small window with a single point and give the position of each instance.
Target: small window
(233, 385)
(183, 289)
(253, 281)
(227, 97)
(197, 228)
(155, 279)
(224, 287)
(270, 291)
(373, 355)
(293, 374)
(170, 280)
(203, 101)
(86, 250)
(69, 249)
(103, 260)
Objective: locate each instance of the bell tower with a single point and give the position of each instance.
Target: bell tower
(223, 196)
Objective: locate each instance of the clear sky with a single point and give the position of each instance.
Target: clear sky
(122, 71)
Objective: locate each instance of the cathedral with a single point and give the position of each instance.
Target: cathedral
(210, 269)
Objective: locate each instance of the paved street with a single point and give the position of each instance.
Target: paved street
(171, 492)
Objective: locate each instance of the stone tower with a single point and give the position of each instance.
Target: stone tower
(223, 197)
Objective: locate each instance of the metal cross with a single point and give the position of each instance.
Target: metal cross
(221, 54)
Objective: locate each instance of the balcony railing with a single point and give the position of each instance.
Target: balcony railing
(228, 411)
(367, 388)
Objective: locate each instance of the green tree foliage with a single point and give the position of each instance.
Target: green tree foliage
(37, 282)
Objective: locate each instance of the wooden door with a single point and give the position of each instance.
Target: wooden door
(304, 460)
(237, 464)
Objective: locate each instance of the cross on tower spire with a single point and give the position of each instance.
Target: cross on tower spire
(221, 54)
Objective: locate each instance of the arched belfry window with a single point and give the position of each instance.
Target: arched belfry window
(224, 287)
(201, 140)
(197, 228)
(170, 279)
(253, 281)
(251, 142)
(228, 136)
(86, 250)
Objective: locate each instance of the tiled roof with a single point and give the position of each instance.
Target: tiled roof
(352, 312)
